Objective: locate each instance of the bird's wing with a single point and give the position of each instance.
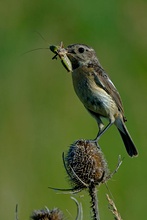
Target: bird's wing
(102, 79)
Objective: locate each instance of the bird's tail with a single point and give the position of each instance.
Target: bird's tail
(128, 142)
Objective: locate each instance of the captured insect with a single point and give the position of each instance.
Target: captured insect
(61, 52)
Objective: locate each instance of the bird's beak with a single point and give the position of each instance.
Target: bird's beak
(69, 53)
(72, 57)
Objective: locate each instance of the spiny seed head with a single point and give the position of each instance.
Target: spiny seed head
(85, 164)
(46, 214)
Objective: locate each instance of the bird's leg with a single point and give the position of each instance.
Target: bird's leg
(100, 125)
(102, 130)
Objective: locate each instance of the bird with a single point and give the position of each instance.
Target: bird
(98, 93)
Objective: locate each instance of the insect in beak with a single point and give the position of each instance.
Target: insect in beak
(62, 53)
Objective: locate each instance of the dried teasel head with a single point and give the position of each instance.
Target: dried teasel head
(46, 214)
(85, 164)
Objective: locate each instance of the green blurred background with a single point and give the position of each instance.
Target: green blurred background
(40, 115)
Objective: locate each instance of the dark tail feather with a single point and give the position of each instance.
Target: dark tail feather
(128, 142)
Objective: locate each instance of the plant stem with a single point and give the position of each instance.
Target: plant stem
(94, 201)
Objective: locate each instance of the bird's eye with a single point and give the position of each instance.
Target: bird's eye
(81, 50)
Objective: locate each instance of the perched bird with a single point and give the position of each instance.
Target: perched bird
(97, 92)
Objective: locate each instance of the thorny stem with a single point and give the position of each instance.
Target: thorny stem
(94, 201)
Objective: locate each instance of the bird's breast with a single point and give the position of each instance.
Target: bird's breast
(94, 97)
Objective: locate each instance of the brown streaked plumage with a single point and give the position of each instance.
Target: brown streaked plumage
(97, 92)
